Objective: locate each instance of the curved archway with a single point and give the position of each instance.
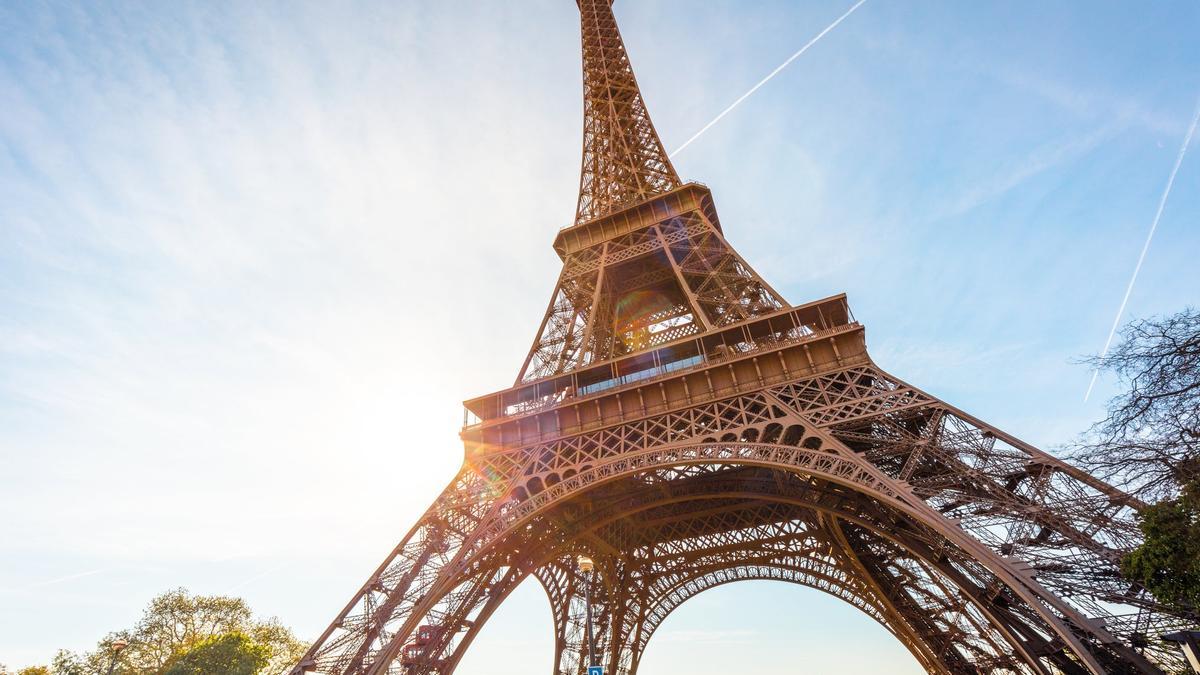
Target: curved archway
(718, 472)
(695, 586)
(759, 483)
(955, 604)
(768, 626)
(749, 482)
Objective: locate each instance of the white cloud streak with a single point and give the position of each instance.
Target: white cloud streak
(59, 580)
(766, 79)
(1039, 161)
(1162, 203)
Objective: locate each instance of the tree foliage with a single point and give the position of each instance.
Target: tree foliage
(1149, 443)
(177, 621)
(230, 654)
(175, 625)
(1168, 561)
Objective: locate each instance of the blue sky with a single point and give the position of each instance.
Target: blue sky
(253, 256)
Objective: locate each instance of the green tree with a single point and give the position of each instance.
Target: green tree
(286, 650)
(177, 622)
(228, 654)
(31, 670)
(1168, 561)
(68, 663)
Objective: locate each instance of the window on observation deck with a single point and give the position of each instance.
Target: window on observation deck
(647, 366)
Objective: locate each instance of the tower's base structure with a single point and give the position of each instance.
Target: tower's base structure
(680, 423)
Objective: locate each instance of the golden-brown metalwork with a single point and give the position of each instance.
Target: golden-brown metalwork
(623, 158)
(681, 424)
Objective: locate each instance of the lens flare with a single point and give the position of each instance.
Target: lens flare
(635, 307)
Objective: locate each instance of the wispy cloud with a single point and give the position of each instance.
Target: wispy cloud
(1089, 104)
(260, 576)
(730, 636)
(918, 362)
(1033, 164)
(54, 582)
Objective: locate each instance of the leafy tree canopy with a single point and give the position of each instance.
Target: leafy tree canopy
(229, 654)
(31, 670)
(177, 623)
(1168, 562)
(1149, 444)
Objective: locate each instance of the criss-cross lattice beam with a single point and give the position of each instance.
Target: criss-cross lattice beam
(684, 259)
(623, 158)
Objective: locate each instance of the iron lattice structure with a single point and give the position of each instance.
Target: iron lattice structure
(683, 425)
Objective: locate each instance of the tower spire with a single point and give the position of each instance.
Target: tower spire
(623, 158)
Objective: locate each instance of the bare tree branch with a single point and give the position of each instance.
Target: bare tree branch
(1149, 443)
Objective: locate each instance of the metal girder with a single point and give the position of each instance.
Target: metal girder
(610, 296)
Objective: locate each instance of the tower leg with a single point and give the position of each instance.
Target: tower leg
(566, 587)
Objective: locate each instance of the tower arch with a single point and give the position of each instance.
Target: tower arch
(949, 580)
(779, 575)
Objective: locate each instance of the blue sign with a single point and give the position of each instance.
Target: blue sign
(595, 670)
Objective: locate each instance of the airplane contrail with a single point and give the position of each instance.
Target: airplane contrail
(52, 582)
(766, 79)
(258, 576)
(1162, 202)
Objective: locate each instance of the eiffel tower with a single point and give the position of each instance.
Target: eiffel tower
(681, 424)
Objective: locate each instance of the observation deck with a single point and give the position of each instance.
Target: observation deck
(770, 349)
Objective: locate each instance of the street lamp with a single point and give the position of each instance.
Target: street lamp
(1189, 642)
(587, 565)
(116, 646)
